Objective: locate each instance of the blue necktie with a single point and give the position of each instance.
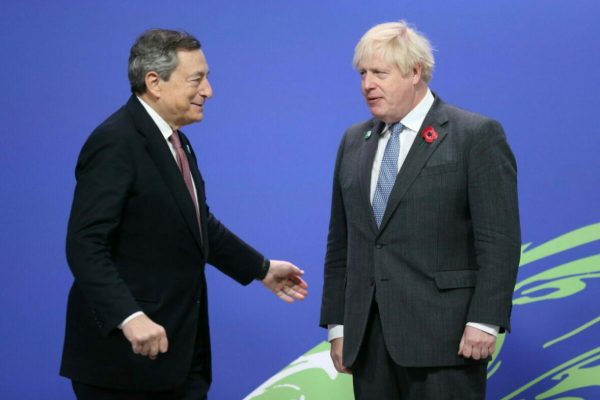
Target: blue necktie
(387, 173)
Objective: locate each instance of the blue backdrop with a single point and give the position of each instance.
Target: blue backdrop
(284, 93)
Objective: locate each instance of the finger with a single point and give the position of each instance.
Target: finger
(334, 360)
(163, 345)
(300, 289)
(461, 346)
(467, 351)
(484, 352)
(146, 348)
(287, 267)
(136, 346)
(284, 297)
(300, 282)
(296, 271)
(338, 362)
(339, 367)
(294, 293)
(299, 286)
(492, 349)
(153, 348)
(476, 353)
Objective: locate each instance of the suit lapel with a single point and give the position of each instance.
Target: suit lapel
(416, 159)
(365, 165)
(165, 162)
(201, 195)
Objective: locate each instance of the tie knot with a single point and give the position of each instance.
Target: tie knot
(174, 138)
(397, 128)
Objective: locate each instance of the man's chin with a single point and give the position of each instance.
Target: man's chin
(197, 117)
(376, 112)
(377, 115)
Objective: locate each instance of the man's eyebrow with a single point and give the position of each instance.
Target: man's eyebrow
(198, 74)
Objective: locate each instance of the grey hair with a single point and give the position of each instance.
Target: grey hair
(156, 50)
(400, 44)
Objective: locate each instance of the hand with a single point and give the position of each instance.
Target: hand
(336, 355)
(283, 279)
(476, 344)
(146, 337)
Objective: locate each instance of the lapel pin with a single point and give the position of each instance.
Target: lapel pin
(368, 135)
(187, 147)
(429, 134)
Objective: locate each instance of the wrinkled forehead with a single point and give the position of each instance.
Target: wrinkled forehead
(192, 61)
(374, 57)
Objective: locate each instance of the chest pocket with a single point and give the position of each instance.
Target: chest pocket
(439, 169)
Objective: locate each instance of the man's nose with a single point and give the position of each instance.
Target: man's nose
(367, 81)
(206, 89)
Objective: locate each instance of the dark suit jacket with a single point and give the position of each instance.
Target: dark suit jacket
(133, 244)
(448, 248)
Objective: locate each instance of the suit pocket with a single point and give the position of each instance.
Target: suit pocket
(439, 168)
(456, 279)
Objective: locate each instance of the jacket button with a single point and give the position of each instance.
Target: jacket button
(378, 246)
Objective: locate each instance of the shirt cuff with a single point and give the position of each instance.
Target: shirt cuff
(334, 332)
(487, 328)
(132, 316)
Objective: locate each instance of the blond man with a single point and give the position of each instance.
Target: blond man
(424, 236)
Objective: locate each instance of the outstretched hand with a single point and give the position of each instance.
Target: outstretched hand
(284, 279)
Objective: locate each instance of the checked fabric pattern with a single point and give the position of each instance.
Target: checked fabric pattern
(387, 173)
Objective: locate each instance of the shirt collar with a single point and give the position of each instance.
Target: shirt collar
(162, 125)
(414, 119)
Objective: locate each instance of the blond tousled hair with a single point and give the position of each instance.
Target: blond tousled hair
(398, 43)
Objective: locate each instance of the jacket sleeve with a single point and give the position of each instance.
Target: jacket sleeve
(104, 176)
(333, 301)
(230, 254)
(493, 205)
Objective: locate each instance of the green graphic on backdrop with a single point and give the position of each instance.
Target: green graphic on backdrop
(571, 375)
(308, 377)
(313, 377)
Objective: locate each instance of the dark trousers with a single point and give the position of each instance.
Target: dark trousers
(377, 377)
(194, 388)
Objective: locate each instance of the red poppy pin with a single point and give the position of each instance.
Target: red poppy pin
(429, 134)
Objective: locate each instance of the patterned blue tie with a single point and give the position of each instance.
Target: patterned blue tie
(387, 173)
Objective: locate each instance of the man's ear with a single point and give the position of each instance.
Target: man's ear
(417, 69)
(152, 81)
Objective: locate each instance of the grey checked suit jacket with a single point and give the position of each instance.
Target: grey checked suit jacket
(448, 248)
